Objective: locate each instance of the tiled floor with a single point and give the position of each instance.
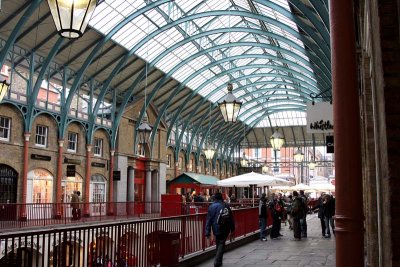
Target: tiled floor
(312, 251)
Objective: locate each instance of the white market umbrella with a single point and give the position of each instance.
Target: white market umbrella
(253, 178)
(300, 187)
(323, 187)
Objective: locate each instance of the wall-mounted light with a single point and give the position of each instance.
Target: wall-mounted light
(3, 89)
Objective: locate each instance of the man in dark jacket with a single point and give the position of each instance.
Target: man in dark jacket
(297, 213)
(262, 216)
(320, 207)
(220, 231)
(329, 212)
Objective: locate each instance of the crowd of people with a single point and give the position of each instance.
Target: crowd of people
(292, 208)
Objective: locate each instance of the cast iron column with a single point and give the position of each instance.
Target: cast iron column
(22, 215)
(349, 200)
(111, 185)
(59, 178)
(86, 196)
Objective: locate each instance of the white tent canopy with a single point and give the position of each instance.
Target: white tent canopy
(252, 178)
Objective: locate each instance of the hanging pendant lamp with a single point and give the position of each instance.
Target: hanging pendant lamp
(230, 106)
(298, 155)
(144, 131)
(71, 16)
(277, 140)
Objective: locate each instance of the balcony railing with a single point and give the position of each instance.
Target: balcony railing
(146, 242)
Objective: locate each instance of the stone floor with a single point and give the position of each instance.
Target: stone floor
(312, 251)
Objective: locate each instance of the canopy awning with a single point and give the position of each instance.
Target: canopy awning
(197, 178)
(252, 178)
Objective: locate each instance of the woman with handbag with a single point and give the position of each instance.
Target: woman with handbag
(276, 209)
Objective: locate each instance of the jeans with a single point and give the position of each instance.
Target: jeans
(323, 227)
(332, 223)
(303, 224)
(263, 225)
(220, 247)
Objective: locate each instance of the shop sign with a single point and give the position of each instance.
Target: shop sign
(98, 165)
(320, 117)
(40, 157)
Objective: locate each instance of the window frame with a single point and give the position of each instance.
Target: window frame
(96, 146)
(72, 142)
(6, 139)
(45, 135)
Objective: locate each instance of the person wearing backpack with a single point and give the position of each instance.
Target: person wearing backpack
(221, 222)
(297, 214)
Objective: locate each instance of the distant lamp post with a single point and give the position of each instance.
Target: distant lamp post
(298, 155)
(3, 89)
(209, 152)
(244, 162)
(277, 140)
(71, 16)
(265, 169)
(312, 164)
(144, 131)
(230, 106)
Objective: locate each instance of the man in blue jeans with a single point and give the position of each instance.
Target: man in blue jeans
(220, 231)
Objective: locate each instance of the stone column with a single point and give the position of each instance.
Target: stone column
(349, 200)
(59, 199)
(85, 198)
(148, 188)
(177, 169)
(131, 184)
(111, 184)
(22, 215)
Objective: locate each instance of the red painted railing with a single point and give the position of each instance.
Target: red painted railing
(145, 242)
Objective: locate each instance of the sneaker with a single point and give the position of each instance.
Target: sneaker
(264, 239)
(280, 235)
(328, 236)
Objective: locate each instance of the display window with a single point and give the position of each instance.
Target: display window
(40, 186)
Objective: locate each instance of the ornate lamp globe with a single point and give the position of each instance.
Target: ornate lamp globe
(71, 16)
(209, 152)
(244, 162)
(277, 140)
(3, 89)
(298, 155)
(144, 131)
(265, 169)
(312, 164)
(230, 106)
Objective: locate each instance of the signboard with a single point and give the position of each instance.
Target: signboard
(40, 157)
(70, 170)
(98, 164)
(320, 117)
(330, 147)
(72, 161)
(116, 175)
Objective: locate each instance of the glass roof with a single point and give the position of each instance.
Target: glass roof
(251, 42)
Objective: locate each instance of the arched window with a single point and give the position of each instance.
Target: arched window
(40, 186)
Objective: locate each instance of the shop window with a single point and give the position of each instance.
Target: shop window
(41, 135)
(42, 186)
(72, 141)
(5, 128)
(98, 147)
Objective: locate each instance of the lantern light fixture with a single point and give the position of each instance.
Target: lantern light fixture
(209, 151)
(265, 169)
(230, 106)
(3, 89)
(144, 130)
(298, 155)
(244, 162)
(71, 16)
(312, 164)
(277, 140)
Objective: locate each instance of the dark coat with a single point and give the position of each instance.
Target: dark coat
(212, 216)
